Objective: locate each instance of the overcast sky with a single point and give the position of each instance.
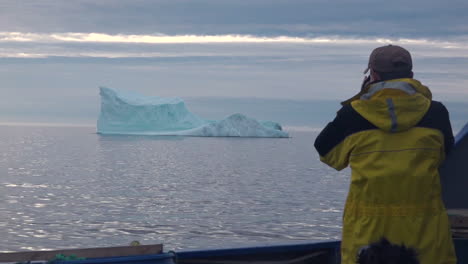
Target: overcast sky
(55, 54)
(416, 18)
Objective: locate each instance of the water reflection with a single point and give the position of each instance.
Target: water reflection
(69, 187)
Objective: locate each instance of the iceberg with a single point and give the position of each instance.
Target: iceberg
(129, 113)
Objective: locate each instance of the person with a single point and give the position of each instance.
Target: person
(394, 137)
(384, 252)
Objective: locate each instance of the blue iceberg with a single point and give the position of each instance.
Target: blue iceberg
(129, 113)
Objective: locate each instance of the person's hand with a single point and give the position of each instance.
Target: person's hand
(365, 82)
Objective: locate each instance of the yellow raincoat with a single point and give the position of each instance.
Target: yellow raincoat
(394, 138)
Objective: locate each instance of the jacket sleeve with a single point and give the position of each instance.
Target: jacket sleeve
(437, 117)
(330, 143)
(446, 129)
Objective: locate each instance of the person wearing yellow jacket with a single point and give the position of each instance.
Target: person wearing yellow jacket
(394, 137)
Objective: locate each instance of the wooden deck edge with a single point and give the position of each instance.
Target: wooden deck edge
(102, 252)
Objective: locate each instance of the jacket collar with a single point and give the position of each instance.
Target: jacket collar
(407, 85)
(402, 86)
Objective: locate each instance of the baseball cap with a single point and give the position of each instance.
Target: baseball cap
(390, 58)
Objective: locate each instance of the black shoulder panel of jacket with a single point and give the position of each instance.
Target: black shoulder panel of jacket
(437, 117)
(346, 123)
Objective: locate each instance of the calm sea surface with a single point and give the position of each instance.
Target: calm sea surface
(64, 187)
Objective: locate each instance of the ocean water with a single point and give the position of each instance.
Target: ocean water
(65, 187)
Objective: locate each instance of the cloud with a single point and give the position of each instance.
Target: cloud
(207, 39)
(401, 18)
(72, 44)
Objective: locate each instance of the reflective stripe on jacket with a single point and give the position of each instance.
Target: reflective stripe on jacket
(394, 139)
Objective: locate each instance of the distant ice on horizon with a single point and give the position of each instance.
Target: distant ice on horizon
(129, 113)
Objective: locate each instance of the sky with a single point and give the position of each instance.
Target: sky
(55, 54)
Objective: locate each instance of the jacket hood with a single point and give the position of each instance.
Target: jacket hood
(394, 105)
